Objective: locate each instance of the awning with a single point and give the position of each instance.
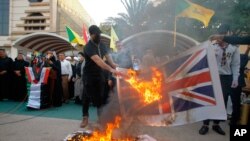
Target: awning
(160, 41)
(42, 42)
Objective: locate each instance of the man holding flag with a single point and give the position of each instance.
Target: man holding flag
(93, 81)
(228, 62)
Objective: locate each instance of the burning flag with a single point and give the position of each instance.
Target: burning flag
(186, 90)
(150, 91)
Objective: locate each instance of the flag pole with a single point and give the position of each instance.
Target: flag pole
(72, 48)
(175, 20)
(72, 51)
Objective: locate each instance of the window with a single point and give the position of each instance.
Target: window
(35, 1)
(35, 21)
(4, 17)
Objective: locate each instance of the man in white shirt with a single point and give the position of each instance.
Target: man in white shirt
(228, 62)
(66, 71)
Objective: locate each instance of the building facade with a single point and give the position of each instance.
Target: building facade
(45, 19)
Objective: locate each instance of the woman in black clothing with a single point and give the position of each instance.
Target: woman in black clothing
(6, 75)
(55, 85)
(20, 86)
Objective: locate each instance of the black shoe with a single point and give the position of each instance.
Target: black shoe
(204, 129)
(218, 130)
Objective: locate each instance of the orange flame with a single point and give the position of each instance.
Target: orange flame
(107, 135)
(150, 91)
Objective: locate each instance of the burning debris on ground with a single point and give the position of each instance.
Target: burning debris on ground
(109, 134)
(148, 90)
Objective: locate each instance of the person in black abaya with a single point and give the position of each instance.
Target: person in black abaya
(6, 73)
(55, 85)
(20, 81)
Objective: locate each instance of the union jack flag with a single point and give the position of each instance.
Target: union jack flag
(191, 85)
(189, 82)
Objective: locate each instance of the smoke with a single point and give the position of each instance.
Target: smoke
(161, 43)
(110, 110)
(157, 2)
(136, 45)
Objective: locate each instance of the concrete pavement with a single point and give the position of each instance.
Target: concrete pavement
(30, 128)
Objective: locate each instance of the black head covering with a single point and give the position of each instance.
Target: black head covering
(93, 29)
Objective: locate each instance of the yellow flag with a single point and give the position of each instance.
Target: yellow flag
(197, 12)
(113, 40)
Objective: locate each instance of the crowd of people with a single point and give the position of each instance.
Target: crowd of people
(88, 78)
(65, 79)
(12, 77)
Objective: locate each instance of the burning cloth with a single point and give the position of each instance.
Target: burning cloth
(183, 90)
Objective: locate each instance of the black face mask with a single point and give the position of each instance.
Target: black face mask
(97, 39)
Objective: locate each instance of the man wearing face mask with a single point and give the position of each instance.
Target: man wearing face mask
(93, 79)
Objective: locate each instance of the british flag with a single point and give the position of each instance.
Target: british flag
(189, 82)
(192, 91)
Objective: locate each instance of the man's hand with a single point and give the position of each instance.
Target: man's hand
(234, 84)
(114, 66)
(216, 37)
(2, 72)
(50, 62)
(18, 73)
(110, 83)
(116, 72)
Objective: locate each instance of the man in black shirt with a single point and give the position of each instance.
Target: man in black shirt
(93, 79)
(6, 75)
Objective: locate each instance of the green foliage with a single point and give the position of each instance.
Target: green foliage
(132, 21)
(144, 15)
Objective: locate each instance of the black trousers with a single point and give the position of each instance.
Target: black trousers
(234, 93)
(5, 89)
(93, 92)
(19, 88)
(235, 97)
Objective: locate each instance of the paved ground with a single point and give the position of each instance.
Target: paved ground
(54, 124)
(28, 128)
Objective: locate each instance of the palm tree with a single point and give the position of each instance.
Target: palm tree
(133, 20)
(135, 11)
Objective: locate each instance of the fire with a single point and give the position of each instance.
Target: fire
(150, 91)
(107, 134)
